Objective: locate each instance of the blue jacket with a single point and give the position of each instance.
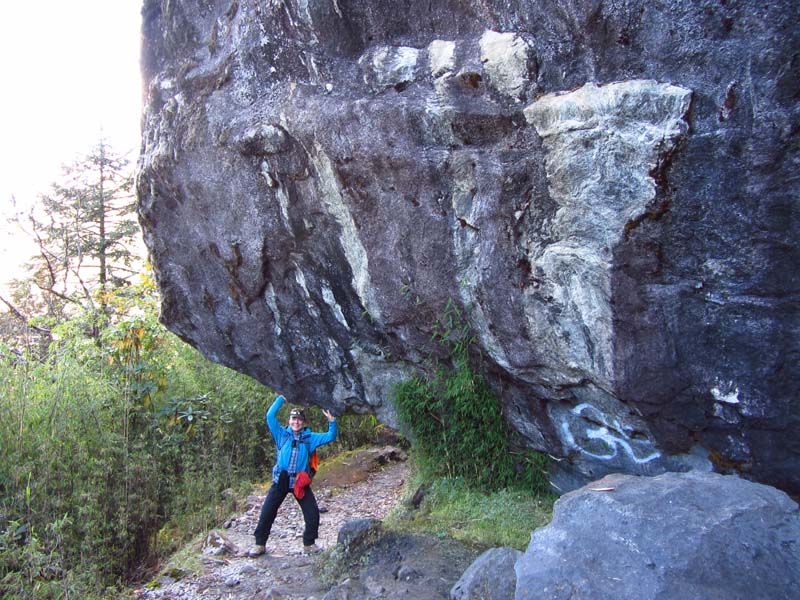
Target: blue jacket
(281, 434)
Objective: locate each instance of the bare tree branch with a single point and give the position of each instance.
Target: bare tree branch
(17, 313)
(56, 293)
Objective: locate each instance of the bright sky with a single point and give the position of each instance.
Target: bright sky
(70, 71)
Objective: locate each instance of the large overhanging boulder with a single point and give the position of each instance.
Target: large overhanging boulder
(606, 193)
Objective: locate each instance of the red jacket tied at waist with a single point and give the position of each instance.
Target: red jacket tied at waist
(301, 481)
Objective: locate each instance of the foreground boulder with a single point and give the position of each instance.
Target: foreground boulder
(605, 192)
(688, 536)
(490, 577)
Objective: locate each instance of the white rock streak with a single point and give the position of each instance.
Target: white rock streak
(505, 59)
(390, 65)
(354, 250)
(729, 397)
(442, 57)
(330, 300)
(602, 144)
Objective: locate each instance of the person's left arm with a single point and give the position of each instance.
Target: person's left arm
(320, 439)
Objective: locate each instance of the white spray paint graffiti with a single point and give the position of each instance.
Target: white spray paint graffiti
(613, 439)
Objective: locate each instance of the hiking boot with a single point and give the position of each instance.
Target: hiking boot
(312, 549)
(256, 551)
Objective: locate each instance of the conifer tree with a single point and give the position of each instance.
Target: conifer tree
(86, 232)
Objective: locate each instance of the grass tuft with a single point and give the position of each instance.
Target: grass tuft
(503, 517)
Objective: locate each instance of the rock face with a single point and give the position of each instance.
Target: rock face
(677, 535)
(605, 192)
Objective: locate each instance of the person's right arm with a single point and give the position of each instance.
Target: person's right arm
(272, 418)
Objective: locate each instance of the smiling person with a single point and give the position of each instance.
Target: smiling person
(295, 444)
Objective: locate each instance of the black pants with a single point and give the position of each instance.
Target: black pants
(277, 494)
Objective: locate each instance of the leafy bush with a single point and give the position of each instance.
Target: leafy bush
(457, 423)
(110, 441)
(116, 446)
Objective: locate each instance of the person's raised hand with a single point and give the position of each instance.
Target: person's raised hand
(329, 415)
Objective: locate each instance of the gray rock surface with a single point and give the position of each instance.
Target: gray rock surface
(356, 534)
(398, 566)
(490, 577)
(678, 535)
(607, 191)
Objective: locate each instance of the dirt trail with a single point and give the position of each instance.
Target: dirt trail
(366, 486)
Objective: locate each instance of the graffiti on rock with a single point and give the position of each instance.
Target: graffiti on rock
(603, 438)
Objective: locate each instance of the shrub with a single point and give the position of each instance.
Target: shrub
(457, 423)
(106, 442)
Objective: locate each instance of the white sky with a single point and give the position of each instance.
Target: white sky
(70, 71)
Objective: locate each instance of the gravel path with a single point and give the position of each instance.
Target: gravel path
(284, 572)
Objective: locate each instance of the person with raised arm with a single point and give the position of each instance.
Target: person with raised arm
(292, 472)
